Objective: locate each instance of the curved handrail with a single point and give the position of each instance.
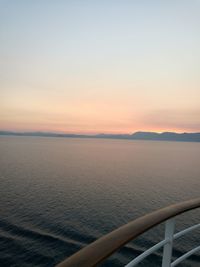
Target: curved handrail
(103, 247)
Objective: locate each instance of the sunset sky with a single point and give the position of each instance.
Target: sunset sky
(100, 66)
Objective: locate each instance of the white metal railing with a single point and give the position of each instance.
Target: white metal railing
(96, 252)
(167, 244)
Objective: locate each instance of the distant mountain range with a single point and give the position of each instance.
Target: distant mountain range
(165, 136)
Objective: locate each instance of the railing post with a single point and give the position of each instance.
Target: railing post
(167, 251)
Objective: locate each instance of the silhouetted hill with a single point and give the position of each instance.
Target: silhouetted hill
(165, 136)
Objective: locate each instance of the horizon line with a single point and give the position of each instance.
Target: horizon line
(93, 134)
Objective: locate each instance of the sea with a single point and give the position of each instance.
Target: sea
(58, 195)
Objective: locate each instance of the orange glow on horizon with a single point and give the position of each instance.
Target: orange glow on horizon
(91, 131)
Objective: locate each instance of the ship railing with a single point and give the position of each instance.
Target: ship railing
(102, 248)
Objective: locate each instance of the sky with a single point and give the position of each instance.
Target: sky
(105, 66)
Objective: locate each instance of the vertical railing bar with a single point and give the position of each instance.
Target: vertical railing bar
(167, 250)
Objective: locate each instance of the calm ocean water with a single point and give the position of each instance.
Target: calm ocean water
(59, 194)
